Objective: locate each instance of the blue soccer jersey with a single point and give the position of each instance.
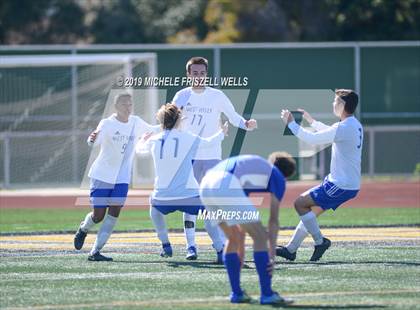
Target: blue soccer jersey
(255, 174)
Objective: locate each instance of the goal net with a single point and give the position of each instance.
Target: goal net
(50, 103)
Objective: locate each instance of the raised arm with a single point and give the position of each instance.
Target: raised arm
(318, 126)
(95, 138)
(234, 118)
(314, 138)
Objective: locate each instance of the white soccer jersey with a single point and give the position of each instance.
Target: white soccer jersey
(203, 110)
(347, 140)
(117, 141)
(173, 152)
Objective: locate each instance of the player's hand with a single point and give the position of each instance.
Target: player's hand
(251, 124)
(270, 267)
(308, 117)
(225, 128)
(93, 135)
(286, 116)
(146, 136)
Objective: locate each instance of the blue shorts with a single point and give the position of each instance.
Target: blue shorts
(190, 205)
(329, 196)
(104, 194)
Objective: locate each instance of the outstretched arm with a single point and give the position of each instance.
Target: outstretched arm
(318, 126)
(217, 137)
(314, 138)
(234, 118)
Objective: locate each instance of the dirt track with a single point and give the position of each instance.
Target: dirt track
(372, 195)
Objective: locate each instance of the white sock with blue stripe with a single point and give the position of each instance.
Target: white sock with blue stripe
(311, 224)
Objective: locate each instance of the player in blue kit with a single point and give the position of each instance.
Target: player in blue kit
(203, 106)
(175, 187)
(343, 182)
(110, 173)
(224, 191)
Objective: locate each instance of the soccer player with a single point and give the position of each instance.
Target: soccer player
(224, 191)
(175, 187)
(343, 182)
(203, 106)
(110, 173)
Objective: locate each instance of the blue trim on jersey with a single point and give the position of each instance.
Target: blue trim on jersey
(329, 196)
(191, 205)
(276, 182)
(104, 194)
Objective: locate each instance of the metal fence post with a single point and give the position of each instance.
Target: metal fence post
(6, 163)
(357, 77)
(74, 121)
(371, 152)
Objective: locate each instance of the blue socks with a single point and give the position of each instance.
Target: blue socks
(233, 267)
(261, 260)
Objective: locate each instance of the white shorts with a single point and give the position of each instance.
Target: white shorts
(225, 200)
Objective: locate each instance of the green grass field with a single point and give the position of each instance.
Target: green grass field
(44, 220)
(356, 273)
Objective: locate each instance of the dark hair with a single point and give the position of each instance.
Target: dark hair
(168, 115)
(350, 98)
(284, 162)
(197, 61)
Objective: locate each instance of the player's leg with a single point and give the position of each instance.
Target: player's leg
(99, 192)
(215, 233)
(158, 220)
(300, 233)
(189, 231)
(104, 233)
(303, 206)
(262, 263)
(116, 199)
(233, 263)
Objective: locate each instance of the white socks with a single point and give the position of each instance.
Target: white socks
(298, 236)
(311, 224)
(189, 228)
(88, 223)
(104, 233)
(216, 235)
(158, 220)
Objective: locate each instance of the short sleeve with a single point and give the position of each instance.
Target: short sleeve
(276, 183)
(181, 97)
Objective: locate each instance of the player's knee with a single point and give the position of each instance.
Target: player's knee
(299, 203)
(189, 224)
(98, 215)
(97, 218)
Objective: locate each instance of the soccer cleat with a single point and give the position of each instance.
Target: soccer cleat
(191, 253)
(282, 251)
(219, 260)
(320, 249)
(240, 299)
(79, 239)
(166, 250)
(275, 299)
(98, 257)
